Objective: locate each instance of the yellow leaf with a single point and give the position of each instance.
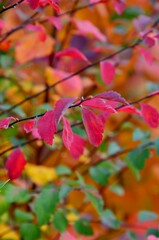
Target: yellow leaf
(72, 217)
(7, 233)
(40, 174)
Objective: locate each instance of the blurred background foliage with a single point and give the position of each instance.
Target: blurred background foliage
(110, 192)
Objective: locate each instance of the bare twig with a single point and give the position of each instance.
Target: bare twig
(12, 6)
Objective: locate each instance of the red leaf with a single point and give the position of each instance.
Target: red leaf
(29, 125)
(129, 109)
(78, 146)
(55, 5)
(4, 123)
(112, 96)
(150, 115)
(100, 104)
(47, 127)
(15, 164)
(107, 71)
(33, 3)
(88, 27)
(150, 41)
(94, 126)
(61, 106)
(74, 143)
(67, 134)
(72, 52)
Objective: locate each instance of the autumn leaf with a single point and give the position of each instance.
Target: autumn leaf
(29, 125)
(72, 52)
(61, 106)
(94, 126)
(150, 115)
(107, 71)
(47, 127)
(99, 104)
(4, 122)
(112, 96)
(15, 164)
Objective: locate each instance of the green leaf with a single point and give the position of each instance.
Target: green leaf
(113, 148)
(63, 170)
(45, 204)
(134, 170)
(29, 231)
(153, 231)
(131, 235)
(117, 189)
(16, 194)
(4, 183)
(64, 191)
(22, 216)
(138, 157)
(109, 219)
(4, 205)
(157, 146)
(96, 201)
(138, 134)
(144, 216)
(59, 221)
(83, 227)
(99, 174)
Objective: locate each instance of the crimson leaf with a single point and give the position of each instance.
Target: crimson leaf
(15, 164)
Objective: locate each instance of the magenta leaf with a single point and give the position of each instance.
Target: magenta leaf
(149, 58)
(129, 109)
(107, 71)
(29, 125)
(112, 96)
(4, 123)
(150, 115)
(72, 52)
(47, 127)
(74, 143)
(33, 3)
(119, 6)
(99, 104)
(67, 134)
(94, 126)
(61, 106)
(15, 164)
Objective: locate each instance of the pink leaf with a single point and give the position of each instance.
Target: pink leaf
(150, 41)
(107, 71)
(152, 237)
(47, 127)
(4, 123)
(56, 22)
(15, 164)
(150, 115)
(67, 134)
(129, 109)
(112, 96)
(149, 58)
(29, 125)
(119, 6)
(72, 52)
(87, 27)
(61, 106)
(74, 143)
(99, 104)
(94, 126)
(35, 133)
(33, 3)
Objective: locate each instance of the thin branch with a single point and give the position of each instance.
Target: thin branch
(12, 6)
(4, 36)
(79, 103)
(68, 77)
(33, 140)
